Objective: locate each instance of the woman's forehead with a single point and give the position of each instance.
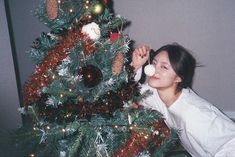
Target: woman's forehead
(162, 57)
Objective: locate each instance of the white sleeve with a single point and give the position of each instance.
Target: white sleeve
(227, 149)
(138, 74)
(209, 129)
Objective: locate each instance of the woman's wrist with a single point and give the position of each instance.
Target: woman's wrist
(135, 66)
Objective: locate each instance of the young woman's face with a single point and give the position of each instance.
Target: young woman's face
(164, 77)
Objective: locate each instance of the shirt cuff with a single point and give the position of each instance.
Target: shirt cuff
(138, 74)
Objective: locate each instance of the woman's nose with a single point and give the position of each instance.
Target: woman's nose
(157, 68)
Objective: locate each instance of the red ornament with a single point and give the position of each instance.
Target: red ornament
(115, 36)
(105, 1)
(92, 75)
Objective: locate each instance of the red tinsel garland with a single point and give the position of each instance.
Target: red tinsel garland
(40, 78)
(139, 141)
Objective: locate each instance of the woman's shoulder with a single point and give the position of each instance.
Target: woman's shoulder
(193, 99)
(192, 105)
(201, 108)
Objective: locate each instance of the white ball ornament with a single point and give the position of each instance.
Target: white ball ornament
(92, 30)
(149, 70)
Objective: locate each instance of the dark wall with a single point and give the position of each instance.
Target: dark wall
(9, 98)
(26, 28)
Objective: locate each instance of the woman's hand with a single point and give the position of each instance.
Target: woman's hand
(135, 105)
(140, 57)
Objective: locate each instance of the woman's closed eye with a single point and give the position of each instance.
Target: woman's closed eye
(154, 62)
(164, 67)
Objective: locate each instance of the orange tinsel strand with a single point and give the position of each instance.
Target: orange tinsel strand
(133, 146)
(139, 141)
(40, 77)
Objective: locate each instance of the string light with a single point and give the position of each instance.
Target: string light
(87, 4)
(146, 136)
(156, 132)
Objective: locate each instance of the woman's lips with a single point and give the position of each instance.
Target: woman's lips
(154, 77)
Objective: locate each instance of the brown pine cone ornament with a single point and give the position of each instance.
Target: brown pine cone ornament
(88, 46)
(52, 9)
(118, 64)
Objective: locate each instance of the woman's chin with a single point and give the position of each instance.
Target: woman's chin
(153, 83)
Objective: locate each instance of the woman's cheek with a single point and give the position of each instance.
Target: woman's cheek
(153, 82)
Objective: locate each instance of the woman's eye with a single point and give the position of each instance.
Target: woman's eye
(164, 67)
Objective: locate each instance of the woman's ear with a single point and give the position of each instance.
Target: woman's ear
(178, 79)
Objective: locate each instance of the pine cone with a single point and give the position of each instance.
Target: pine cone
(52, 9)
(88, 46)
(118, 64)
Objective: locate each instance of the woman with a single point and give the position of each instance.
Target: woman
(204, 131)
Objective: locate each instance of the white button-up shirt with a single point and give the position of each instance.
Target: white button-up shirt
(204, 131)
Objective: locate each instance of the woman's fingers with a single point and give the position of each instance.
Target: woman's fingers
(140, 56)
(142, 51)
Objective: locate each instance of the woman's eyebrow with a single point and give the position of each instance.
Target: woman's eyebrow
(155, 59)
(163, 62)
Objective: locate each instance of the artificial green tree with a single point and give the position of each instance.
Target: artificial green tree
(80, 95)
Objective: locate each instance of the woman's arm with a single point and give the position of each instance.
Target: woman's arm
(140, 57)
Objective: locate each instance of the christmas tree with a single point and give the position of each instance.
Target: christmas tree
(80, 95)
